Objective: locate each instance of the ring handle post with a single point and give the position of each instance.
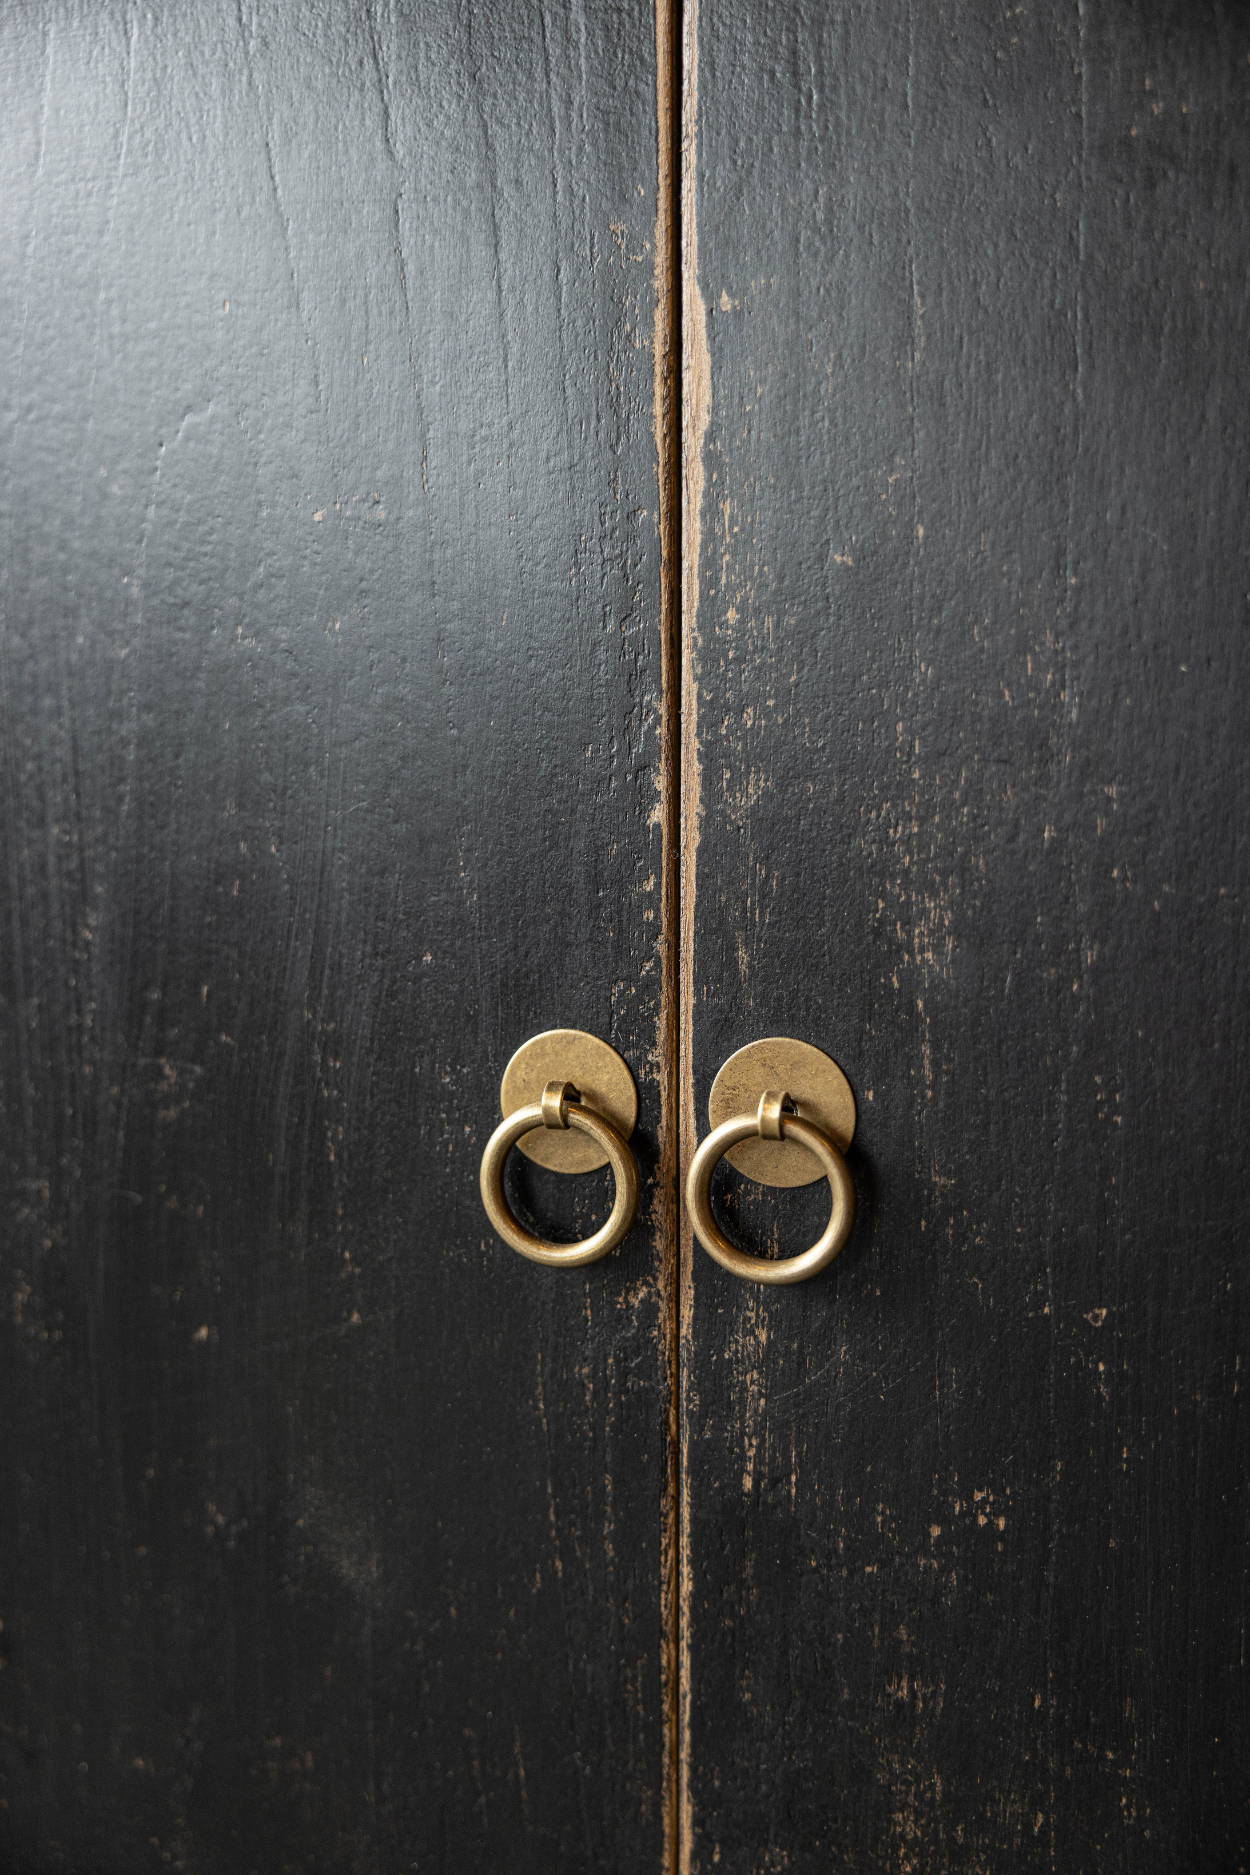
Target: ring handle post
(775, 1118)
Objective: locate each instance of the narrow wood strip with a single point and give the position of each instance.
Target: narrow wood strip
(695, 403)
(666, 355)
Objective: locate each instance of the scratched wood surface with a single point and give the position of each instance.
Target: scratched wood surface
(331, 1532)
(965, 1583)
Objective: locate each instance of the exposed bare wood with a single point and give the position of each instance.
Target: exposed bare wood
(666, 361)
(696, 393)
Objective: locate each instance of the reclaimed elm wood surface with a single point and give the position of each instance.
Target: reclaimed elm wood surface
(965, 1583)
(328, 744)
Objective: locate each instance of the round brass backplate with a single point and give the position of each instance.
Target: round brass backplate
(600, 1077)
(819, 1089)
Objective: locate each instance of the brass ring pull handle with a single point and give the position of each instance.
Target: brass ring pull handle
(559, 1107)
(775, 1119)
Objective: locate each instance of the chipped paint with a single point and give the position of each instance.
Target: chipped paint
(696, 405)
(665, 390)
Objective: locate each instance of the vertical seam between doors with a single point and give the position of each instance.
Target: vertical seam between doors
(666, 401)
(695, 410)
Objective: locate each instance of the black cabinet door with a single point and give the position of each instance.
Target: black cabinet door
(967, 366)
(330, 663)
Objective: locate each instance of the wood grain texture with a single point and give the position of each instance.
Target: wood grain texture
(667, 410)
(331, 675)
(966, 1577)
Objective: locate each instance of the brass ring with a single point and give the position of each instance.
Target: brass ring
(772, 1114)
(559, 1107)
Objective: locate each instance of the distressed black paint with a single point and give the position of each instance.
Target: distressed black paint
(966, 1584)
(330, 671)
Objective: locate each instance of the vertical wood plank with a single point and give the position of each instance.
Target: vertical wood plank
(966, 1566)
(329, 743)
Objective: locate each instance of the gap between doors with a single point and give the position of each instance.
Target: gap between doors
(680, 403)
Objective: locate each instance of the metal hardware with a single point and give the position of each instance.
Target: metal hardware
(607, 1089)
(562, 1113)
(767, 1138)
(822, 1095)
(775, 1108)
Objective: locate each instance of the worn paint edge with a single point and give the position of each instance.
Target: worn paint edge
(666, 386)
(696, 395)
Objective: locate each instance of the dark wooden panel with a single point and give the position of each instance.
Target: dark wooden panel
(966, 1576)
(330, 673)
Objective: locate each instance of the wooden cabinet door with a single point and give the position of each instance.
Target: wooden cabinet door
(967, 365)
(337, 743)
(331, 671)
